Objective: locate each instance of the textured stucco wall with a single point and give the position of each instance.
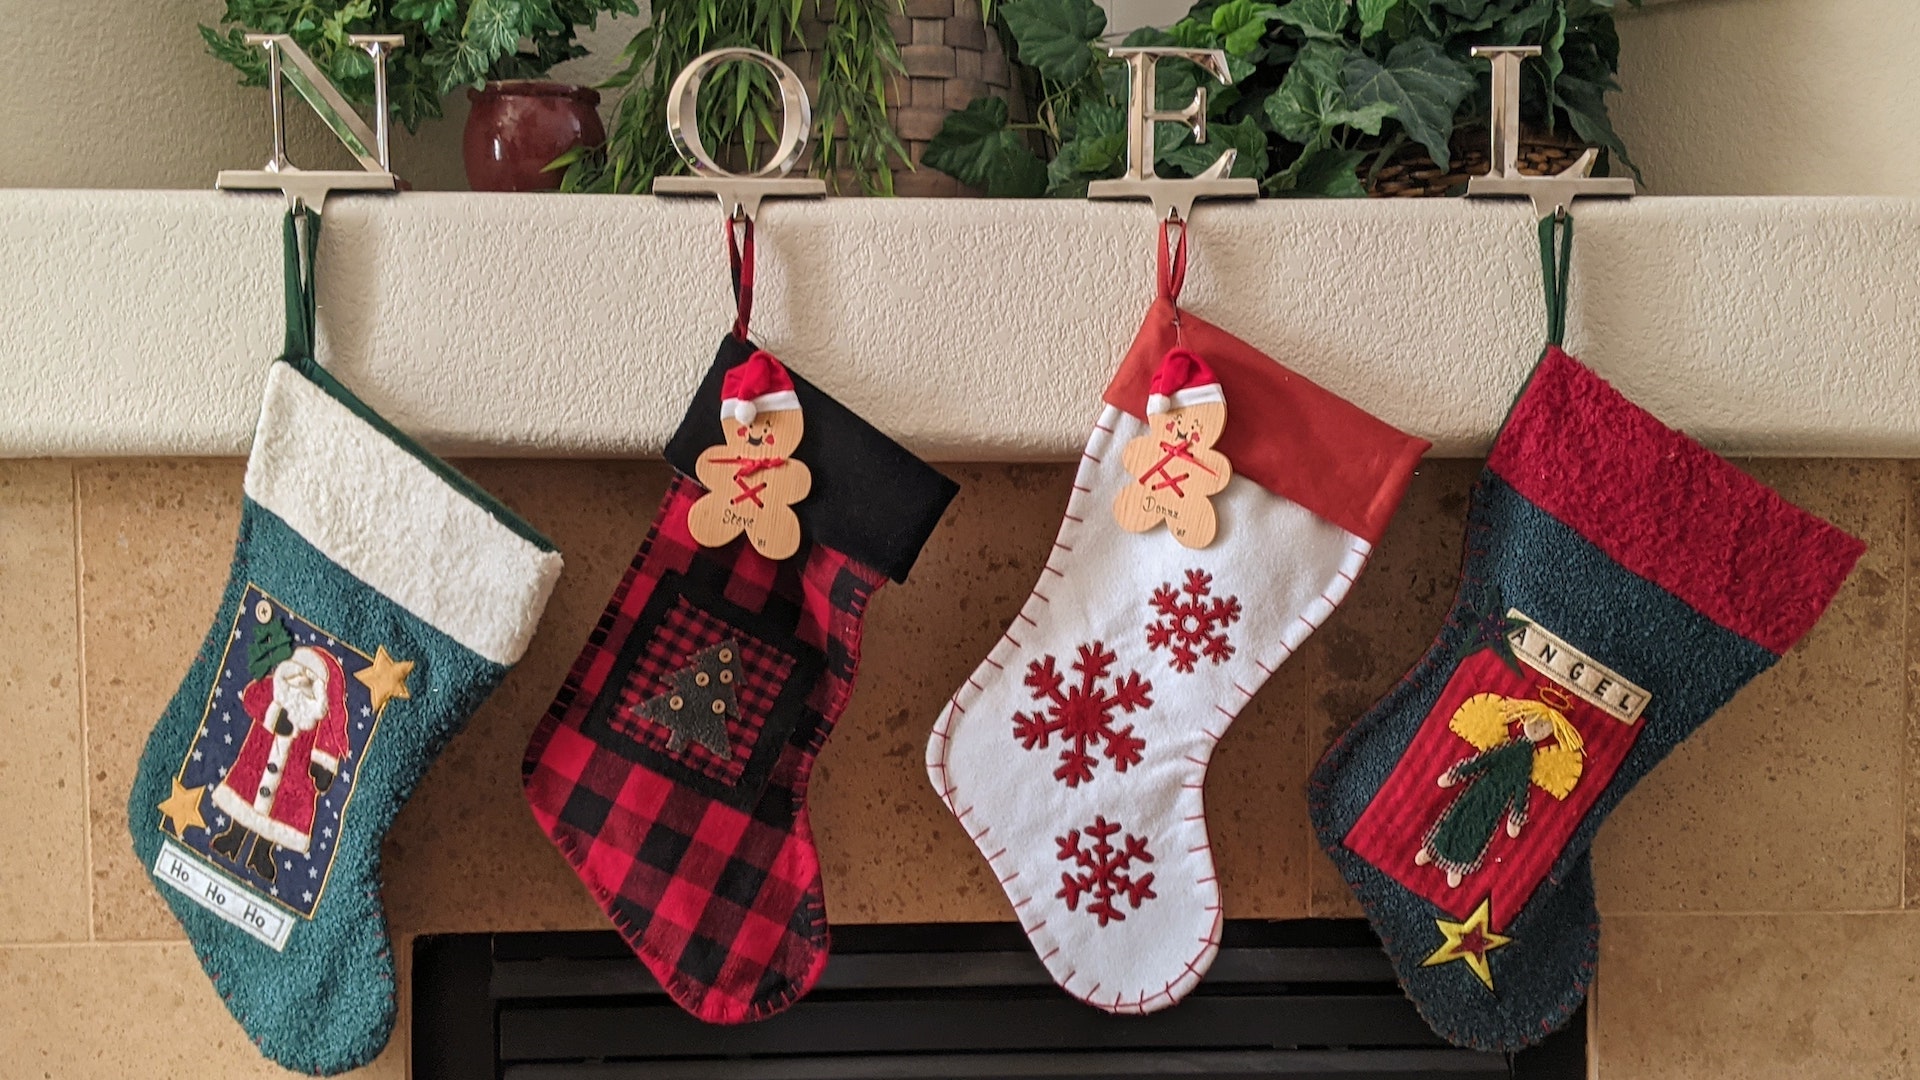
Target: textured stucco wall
(1723, 97)
(975, 330)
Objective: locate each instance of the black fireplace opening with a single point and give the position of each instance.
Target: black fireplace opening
(1300, 1000)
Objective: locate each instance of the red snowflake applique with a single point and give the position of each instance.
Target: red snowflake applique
(1083, 714)
(1103, 871)
(1193, 622)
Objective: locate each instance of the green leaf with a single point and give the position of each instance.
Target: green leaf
(1408, 18)
(566, 160)
(1471, 15)
(1324, 62)
(1148, 36)
(1586, 106)
(1056, 37)
(1021, 175)
(1551, 42)
(428, 13)
(1310, 102)
(348, 65)
(1098, 147)
(1294, 110)
(976, 147)
(1367, 118)
(251, 60)
(1516, 29)
(1318, 19)
(1373, 15)
(1194, 32)
(633, 60)
(1245, 138)
(492, 30)
(494, 26)
(1423, 85)
(1064, 183)
(1241, 24)
(1331, 172)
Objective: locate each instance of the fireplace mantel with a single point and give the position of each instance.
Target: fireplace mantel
(138, 322)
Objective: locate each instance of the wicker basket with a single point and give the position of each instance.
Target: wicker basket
(950, 57)
(1411, 173)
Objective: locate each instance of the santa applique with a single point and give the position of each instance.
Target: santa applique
(752, 479)
(1175, 469)
(290, 757)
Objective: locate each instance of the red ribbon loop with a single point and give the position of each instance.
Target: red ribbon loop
(1172, 263)
(740, 258)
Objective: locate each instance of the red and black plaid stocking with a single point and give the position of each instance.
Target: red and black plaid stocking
(694, 836)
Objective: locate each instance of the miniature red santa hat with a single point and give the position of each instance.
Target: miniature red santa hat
(1183, 379)
(757, 384)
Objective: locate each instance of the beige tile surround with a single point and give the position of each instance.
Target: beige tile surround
(1755, 888)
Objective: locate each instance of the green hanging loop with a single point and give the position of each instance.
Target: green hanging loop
(299, 283)
(1556, 231)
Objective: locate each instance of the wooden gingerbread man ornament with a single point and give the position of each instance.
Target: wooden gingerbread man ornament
(1175, 469)
(752, 479)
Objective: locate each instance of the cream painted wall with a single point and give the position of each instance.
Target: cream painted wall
(1723, 97)
(1773, 97)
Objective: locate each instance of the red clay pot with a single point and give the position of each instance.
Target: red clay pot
(517, 126)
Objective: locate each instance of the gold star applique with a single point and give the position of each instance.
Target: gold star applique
(385, 677)
(1471, 941)
(182, 809)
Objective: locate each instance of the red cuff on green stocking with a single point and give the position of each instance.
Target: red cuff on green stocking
(1621, 582)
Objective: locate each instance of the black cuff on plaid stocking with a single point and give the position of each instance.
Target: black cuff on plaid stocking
(672, 767)
(872, 500)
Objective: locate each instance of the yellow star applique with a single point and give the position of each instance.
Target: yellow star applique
(182, 809)
(385, 677)
(1471, 941)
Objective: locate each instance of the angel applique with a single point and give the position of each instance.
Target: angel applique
(1518, 745)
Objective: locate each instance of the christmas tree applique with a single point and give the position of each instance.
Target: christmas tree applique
(270, 645)
(702, 699)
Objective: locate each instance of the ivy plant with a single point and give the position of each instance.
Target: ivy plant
(1323, 90)
(449, 43)
(739, 104)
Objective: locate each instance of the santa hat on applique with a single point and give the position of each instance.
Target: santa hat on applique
(1183, 379)
(757, 384)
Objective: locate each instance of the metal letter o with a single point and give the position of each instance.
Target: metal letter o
(683, 119)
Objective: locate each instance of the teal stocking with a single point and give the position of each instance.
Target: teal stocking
(376, 599)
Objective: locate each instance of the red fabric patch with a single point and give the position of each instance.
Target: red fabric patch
(1082, 709)
(1192, 622)
(1666, 508)
(1288, 435)
(1395, 824)
(1107, 870)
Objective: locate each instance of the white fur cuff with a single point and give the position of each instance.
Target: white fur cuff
(385, 517)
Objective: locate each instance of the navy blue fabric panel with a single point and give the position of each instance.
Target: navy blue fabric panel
(1690, 667)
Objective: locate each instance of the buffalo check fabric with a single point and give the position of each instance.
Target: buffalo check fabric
(684, 614)
(703, 856)
(685, 633)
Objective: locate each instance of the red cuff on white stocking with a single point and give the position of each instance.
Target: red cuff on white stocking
(1075, 756)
